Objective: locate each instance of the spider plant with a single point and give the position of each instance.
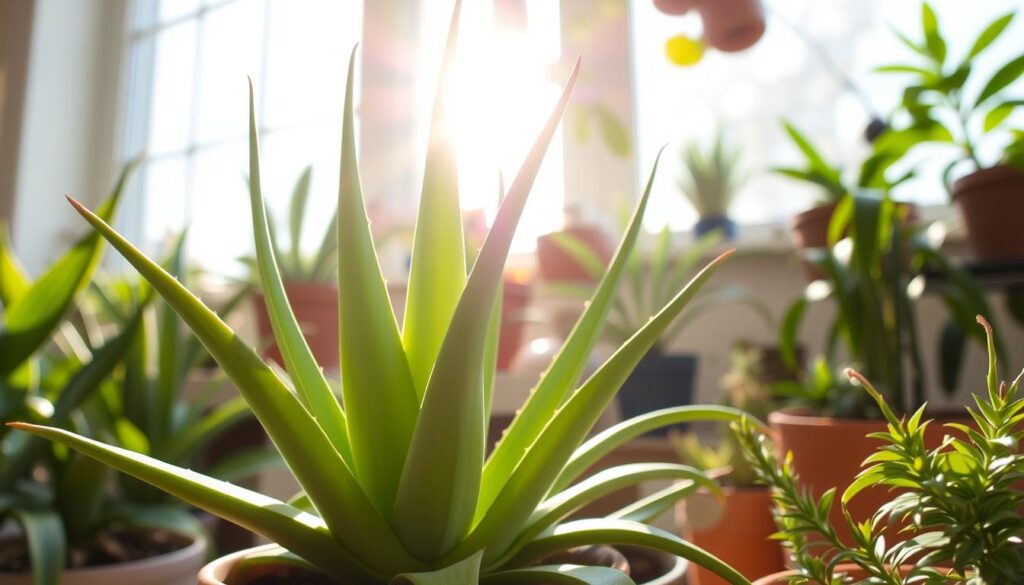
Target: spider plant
(958, 503)
(50, 373)
(292, 263)
(396, 483)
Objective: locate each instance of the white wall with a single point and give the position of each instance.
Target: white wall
(69, 122)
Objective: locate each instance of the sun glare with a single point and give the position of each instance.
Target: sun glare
(500, 95)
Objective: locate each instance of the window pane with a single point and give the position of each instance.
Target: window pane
(165, 203)
(232, 46)
(221, 227)
(307, 57)
(172, 9)
(171, 110)
(283, 156)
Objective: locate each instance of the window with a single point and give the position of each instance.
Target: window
(747, 94)
(187, 110)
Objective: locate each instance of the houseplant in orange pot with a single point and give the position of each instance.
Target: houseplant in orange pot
(395, 485)
(946, 104)
(958, 503)
(867, 278)
(739, 528)
(309, 282)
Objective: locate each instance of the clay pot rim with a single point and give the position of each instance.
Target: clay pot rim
(214, 572)
(197, 547)
(803, 416)
(810, 215)
(965, 184)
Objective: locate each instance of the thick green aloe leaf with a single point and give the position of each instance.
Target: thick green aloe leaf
(312, 458)
(559, 506)
(542, 464)
(437, 273)
(464, 572)
(565, 370)
(440, 484)
(281, 523)
(559, 575)
(307, 376)
(14, 281)
(648, 508)
(47, 547)
(377, 389)
(621, 433)
(29, 322)
(605, 531)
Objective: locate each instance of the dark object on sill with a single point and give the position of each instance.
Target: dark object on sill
(706, 225)
(990, 274)
(659, 381)
(876, 127)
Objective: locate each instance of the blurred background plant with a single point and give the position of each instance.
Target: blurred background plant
(710, 180)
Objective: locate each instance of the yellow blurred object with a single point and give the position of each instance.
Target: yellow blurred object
(684, 51)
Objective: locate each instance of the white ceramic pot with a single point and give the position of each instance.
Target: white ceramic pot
(176, 568)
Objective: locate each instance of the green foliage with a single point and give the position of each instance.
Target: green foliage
(817, 171)
(872, 271)
(651, 281)
(395, 485)
(938, 105)
(958, 502)
(295, 266)
(712, 177)
(744, 387)
(60, 375)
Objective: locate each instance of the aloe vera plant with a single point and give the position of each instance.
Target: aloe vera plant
(396, 483)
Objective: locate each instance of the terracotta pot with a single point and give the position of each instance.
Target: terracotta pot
(810, 228)
(855, 573)
(671, 569)
(732, 25)
(828, 452)
(555, 265)
(738, 532)
(316, 309)
(514, 301)
(729, 25)
(175, 568)
(991, 202)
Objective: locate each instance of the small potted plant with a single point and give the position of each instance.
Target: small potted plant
(867, 276)
(662, 378)
(810, 228)
(710, 182)
(738, 529)
(556, 264)
(72, 528)
(395, 485)
(309, 282)
(944, 103)
(958, 503)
